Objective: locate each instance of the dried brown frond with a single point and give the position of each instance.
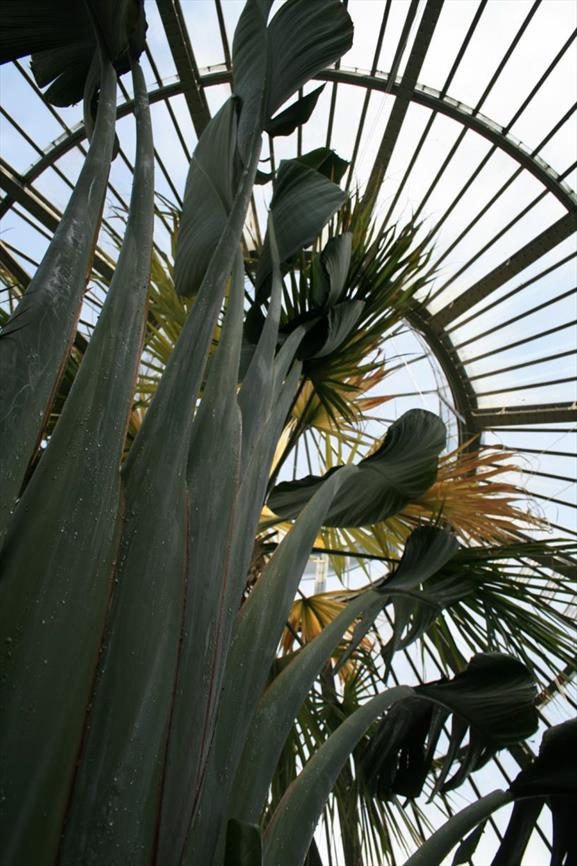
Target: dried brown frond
(471, 494)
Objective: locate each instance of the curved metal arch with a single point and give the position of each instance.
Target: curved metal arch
(479, 123)
(380, 81)
(471, 420)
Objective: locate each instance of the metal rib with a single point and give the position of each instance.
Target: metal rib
(185, 62)
(531, 252)
(404, 95)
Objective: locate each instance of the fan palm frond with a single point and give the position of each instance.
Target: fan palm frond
(310, 615)
(471, 494)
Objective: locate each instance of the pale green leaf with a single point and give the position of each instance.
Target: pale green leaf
(58, 560)
(439, 845)
(289, 833)
(34, 343)
(207, 200)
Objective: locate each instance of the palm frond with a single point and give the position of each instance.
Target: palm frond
(472, 495)
(387, 269)
(310, 615)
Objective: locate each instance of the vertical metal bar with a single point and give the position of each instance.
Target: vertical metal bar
(368, 93)
(169, 108)
(462, 49)
(418, 51)
(494, 78)
(223, 35)
(185, 62)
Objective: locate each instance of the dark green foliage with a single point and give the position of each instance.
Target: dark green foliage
(427, 552)
(271, 63)
(60, 36)
(468, 846)
(493, 700)
(396, 761)
(57, 562)
(243, 844)
(35, 342)
(212, 180)
(295, 115)
(302, 203)
(554, 771)
(551, 779)
(439, 845)
(402, 468)
(326, 162)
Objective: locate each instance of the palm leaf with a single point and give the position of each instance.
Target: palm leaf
(403, 467)
(35, 342)
(58, 562)
(472, 496)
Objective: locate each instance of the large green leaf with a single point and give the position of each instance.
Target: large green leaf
(256, 77)
(551, 778)
(493, 699)
(258, 631)
(519, 829)
(60, 36)
(264, 399)
(251, 70)
(336, 261)
(65, 69)
(34, 344)
(415, 614)
(204, 623)
(208, 199)
(331, 331)
(295, 115)
(123, 758)
(28, 26)
(211, 172)
(424, 594)
(271, 63)
(303, 39)
(289, 833)
(243, 845)
(215, 592)
(439, 845)
(402, 469)
(58, 560)
(277, 397)
(483, 598)
(326, 162)
(554, 771)
(465, 851)
(427, 551)
(257, 394)
(278, 708)
(496, 696)
(303, 201)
